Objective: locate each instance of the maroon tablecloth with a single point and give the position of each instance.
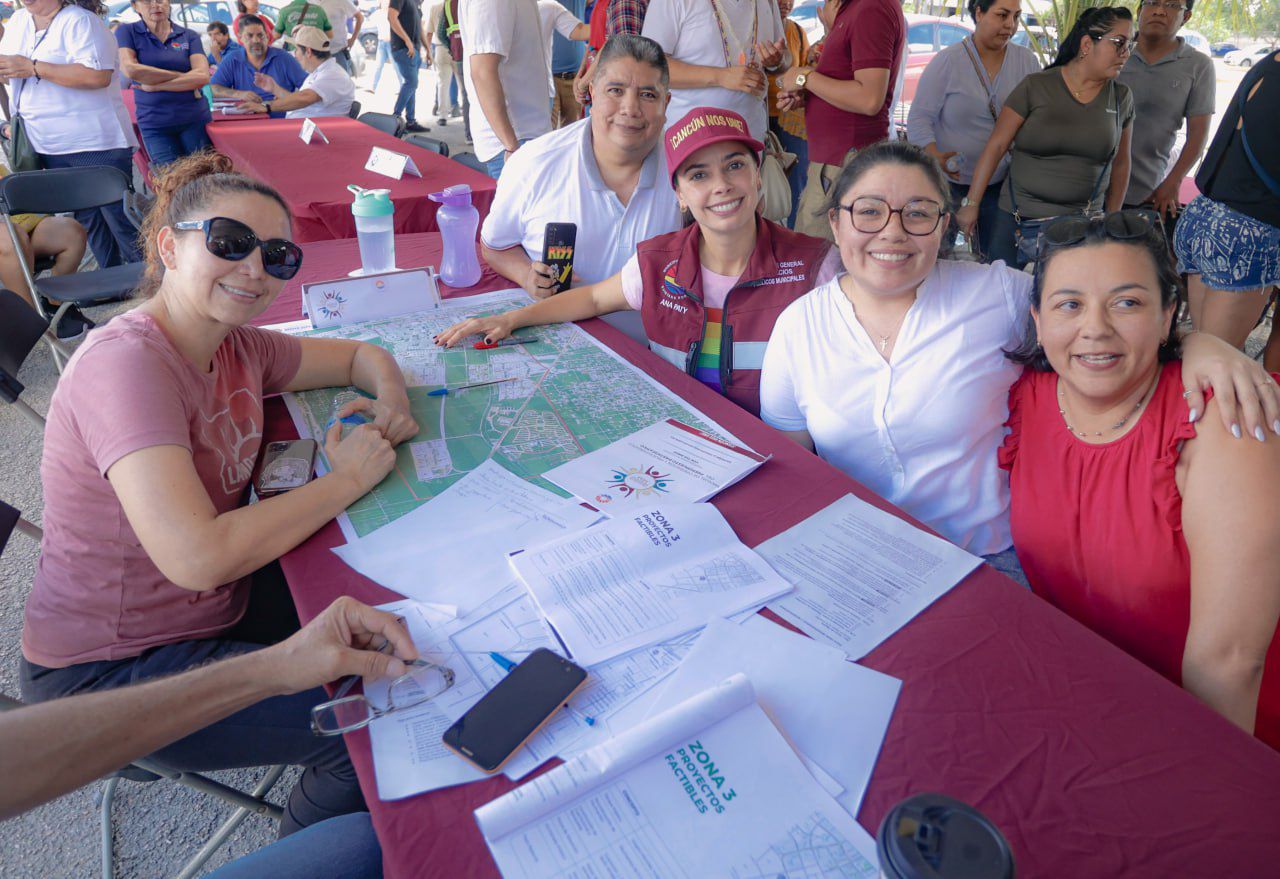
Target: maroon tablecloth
(140, 157)
(1092, 765)
(313, 177)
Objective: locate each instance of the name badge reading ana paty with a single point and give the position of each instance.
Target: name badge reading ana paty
(391, 164)
(311, 130)
(347, 301)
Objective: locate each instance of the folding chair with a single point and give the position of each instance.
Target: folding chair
(385, 122)
(61, 191)
(428, 143)
(354, 112)
(471, 161)
(146, 771)
(21, 329)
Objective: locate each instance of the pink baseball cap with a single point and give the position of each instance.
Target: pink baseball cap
(701, 127)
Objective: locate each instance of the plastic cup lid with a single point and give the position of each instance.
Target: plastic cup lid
(371, 202)
(453, 195)
(932, 836)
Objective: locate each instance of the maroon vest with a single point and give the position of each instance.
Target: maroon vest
(780, 271)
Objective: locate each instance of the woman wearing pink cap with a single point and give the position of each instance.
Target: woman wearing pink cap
(709, 294)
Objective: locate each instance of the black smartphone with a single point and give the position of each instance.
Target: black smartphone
(557, 252)
(284, 466)
(515, 709)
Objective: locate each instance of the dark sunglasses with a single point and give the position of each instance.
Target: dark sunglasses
(1119, 225)
(230, 239)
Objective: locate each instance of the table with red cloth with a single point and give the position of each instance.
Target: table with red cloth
(313, 177)
(1092, 765)
(141, 157)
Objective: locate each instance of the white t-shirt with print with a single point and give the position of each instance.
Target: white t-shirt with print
(922, 429)
(61, 120)
(335, 88)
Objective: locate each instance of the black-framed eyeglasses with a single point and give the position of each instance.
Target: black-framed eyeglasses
(1123, 45)
(869, 214)
(1167, 5)
(1119, 226)
(232, 240)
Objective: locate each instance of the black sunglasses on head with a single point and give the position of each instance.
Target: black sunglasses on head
(230, 239)
(1118, 225)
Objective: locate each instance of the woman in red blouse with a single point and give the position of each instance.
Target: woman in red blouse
(1160, 534)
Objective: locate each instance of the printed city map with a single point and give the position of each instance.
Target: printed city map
(569, 395)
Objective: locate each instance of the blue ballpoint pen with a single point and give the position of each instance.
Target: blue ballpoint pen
(507, 665)
(440, 392)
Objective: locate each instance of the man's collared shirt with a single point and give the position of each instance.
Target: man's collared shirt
(555, 179)
(236, 72)
(1176, 87)
(165, 109)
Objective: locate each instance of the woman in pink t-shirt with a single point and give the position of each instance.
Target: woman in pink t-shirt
(152, 561)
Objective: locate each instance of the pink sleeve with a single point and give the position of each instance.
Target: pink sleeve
(633, 284)
(278, 356)
(828, 268)
(123, 396)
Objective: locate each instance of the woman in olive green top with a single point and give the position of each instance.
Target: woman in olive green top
(1068, 126)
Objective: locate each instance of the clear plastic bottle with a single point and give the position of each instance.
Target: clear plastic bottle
(375, 229)
(955, 164)
(458, 221)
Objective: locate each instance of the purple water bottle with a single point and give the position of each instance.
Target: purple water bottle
(458, 220)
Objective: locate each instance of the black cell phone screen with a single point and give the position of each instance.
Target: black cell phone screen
(509, 713)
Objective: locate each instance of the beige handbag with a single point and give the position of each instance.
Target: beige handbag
(775, 201)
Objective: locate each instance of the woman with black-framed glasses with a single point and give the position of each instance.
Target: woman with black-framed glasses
(152, 559)
(1160, 534)
(895, 371)
(1067, 129)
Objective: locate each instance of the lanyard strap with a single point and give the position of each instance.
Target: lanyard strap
(727, 31)
(22, 83)
(973, 57)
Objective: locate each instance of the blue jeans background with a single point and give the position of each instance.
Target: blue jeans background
(494, 165)
(995, 240)
(165, 145)
(383, 56)
(112, 237)
(406, 101)
(340, 848)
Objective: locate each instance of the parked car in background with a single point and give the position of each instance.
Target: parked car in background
(196, 16)
(1221, 50)
(1246, 57)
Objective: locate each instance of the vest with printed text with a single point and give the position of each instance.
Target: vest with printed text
(780, 271)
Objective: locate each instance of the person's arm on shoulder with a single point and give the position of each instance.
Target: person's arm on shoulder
(1119, 182)
(67, 743)
(1002, 137)
(1231, 521)
(1244, 393)
(580, 303)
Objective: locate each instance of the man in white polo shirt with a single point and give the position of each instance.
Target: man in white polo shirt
(504, 66)
(327, 90)
(606, 174)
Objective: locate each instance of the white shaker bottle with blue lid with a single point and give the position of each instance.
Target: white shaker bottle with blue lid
(375, 229)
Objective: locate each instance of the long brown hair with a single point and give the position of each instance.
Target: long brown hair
(184, 187)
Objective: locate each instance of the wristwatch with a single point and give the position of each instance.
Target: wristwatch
(267, 104)
(964, 202)
(801, 79)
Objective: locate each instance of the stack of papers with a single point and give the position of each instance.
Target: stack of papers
(707, 788)
(666, 462)
(649, 577)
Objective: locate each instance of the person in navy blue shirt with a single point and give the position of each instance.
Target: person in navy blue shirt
(234, 78)
(168, 67)
(220, 43)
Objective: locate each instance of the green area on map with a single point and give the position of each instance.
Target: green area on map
(569, 395)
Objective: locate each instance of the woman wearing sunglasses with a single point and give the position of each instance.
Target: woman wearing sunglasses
(1160, 534)
(152, 561)
(895, 371)
(1068, 127)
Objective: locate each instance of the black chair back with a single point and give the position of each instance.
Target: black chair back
(20, 330)
(471, 161)
(63, 190)
(428, 143)
(384, 122)
(354, 112)
(8, 523)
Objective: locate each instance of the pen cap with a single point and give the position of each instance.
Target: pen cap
(932, 836)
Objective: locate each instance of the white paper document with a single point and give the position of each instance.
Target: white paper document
(860, 573)
(643, 578)
(834, 712)
(706, 789)
(665, 462)
(453, 549)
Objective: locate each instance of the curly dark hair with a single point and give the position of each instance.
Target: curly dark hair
(97, 7)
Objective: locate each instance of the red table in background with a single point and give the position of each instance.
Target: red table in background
(141, 158)
(1092, 764)
(313, 177)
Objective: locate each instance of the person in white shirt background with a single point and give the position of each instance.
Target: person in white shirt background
(556, 19)
(895, 371)
(327, 90)
(59, 62)
(720, 52)
(505, 72)
(606, 174)
(340, 12)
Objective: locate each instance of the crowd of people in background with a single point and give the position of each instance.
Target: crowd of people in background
(978, 317)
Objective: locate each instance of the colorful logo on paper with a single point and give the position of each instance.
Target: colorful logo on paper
(634, 482)
(330, 305)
